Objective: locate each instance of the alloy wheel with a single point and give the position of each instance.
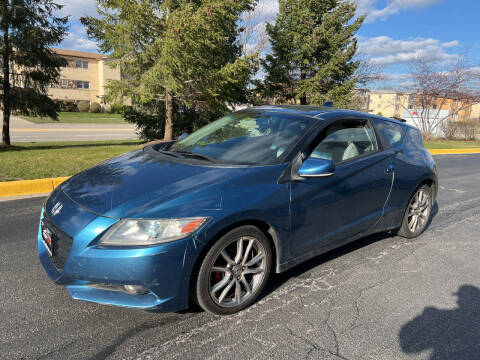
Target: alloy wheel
(419, 211)
(238, 272)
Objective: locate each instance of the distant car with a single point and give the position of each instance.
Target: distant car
(208, 218)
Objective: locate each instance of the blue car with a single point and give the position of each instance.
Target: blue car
(209, 217)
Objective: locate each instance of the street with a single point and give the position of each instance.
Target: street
(25, 131)
(380, 297)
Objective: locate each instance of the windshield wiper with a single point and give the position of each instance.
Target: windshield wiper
(170, 153)
(195, 155)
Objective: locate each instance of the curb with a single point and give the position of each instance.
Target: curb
(454, 151)
(26, 187)
(39, 186)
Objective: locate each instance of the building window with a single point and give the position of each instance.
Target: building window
(81, 64)
(83, 85)
(63, 83)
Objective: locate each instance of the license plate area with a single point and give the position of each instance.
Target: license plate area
(47, 238)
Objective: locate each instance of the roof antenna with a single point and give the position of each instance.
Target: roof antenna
(328, 104)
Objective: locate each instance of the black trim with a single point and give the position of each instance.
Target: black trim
(61, 243)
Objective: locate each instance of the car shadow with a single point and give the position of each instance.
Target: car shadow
(447, 333)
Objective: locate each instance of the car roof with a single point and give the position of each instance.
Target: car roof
(319, 112)
(303, 110)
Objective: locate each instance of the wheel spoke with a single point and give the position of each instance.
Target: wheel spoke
(220, 269)
(238, 292)
(239, 254)
(246, 284)
(220, 284)
(253, 271)
(226, 290)
(227, 258)
(415, 223)
(247, 252)
(255, 260)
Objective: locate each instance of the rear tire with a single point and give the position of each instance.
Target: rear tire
(417, 214)
(234, 271)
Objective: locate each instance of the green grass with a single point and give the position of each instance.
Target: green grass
(78, 117)
(451, 144)
(25, 161)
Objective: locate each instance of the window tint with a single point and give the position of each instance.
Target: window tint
(346, 141)
(390, 134)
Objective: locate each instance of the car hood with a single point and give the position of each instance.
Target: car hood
(144, 184)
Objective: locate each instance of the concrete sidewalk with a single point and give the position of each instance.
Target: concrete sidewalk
(25, 131)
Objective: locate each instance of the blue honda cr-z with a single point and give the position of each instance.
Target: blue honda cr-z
(209, 217)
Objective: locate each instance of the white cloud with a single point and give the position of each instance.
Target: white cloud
(77, 8)
(266, 10)
(393, 7)
(77, 40)
(383, 50)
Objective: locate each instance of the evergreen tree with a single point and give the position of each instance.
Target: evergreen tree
(28, 28)
(313, 45)
(179, 52)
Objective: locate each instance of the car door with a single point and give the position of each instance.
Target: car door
(327, 211)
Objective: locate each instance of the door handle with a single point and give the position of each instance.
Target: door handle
(389, 169)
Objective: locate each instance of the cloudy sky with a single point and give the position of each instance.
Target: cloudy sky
(394, 33)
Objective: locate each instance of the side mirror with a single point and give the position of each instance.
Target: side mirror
(313, 167)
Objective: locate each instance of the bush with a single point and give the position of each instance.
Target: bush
(67, 106)
(116, 108)
(469, 129)
(83, 106)
(96, 108)
(450, 129)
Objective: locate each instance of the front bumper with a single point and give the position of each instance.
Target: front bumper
(98, 274)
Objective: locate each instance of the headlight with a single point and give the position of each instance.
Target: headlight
(150, 232)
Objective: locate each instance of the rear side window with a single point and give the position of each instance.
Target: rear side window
(343, 141)
(416, 137)
(390, 134)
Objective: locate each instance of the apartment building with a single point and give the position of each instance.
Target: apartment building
(84, 77)
(391, 103)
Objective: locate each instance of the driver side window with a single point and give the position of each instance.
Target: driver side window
(346, 140)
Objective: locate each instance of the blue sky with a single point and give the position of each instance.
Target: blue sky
(394, 33)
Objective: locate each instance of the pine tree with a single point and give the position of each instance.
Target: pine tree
(179, 52)
(313, 46)
(28, 28)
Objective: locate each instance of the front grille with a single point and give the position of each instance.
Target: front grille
(62, 243)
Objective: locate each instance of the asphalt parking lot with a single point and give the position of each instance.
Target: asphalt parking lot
(381, 297)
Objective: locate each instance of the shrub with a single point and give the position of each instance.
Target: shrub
(116, 108)
(96, 108)
(450, 129)
(83, 106)
(469, 129)
(67, 106)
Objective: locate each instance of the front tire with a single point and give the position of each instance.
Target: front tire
(417, 214)
(234, 271)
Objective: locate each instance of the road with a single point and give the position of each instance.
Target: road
(25, 131)
(379, 298)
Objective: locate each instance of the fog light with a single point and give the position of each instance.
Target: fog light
(135, 289)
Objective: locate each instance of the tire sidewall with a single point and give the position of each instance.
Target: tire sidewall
(202, 291)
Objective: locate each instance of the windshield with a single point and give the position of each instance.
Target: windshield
(246, 138)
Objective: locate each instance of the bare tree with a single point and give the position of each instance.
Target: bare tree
(439, 92)
(254, 39)
(368, 71)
